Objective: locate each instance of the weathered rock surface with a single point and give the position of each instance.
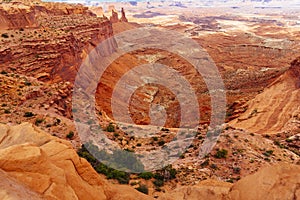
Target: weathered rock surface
(209, 190)
(50, 168)
(269, 111)
(275, 182)
(51, 40)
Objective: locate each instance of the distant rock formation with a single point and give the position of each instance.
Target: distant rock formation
(114, 17)
(111, 8)
(97, 10)
(123, 18)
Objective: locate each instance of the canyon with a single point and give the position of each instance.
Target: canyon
(43, 46)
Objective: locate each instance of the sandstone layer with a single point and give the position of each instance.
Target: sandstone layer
(46, 167)
(269, 111)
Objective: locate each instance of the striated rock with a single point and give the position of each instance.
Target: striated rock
(25, 14)
(59, 39)
(50, 168)
(269, 111)
(17, 16)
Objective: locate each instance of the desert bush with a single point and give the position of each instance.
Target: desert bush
(110, 128)
(158, 183)
(143, 189)
(4, 35)
(38, 121)
(221, 153)
(28, 114)
(146, 175)
(70, 135)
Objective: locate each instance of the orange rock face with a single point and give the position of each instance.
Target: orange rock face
(274, 105)
(54, 47)
(46, 167)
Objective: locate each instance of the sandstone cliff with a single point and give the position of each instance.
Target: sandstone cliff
(49, 40)
(269, 111)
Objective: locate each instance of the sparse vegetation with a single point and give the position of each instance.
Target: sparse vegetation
(268, 153)
(3, 72)
(161, 143)
(4, 35)
(110, 128)
(6, 111)
(28, 114)
(221, 153)
(119, 159)
(143, 189)
(70, 135)
(146, 175)
(38, 121)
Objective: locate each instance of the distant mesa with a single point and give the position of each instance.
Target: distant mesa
(148, 14)
(111, 8)
(178, 4)
(133, 3)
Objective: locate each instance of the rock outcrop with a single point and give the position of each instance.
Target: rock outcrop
(40, 165)
(114, 17)
(18, 14)
(57, 42)
(123, 17)
(275, 182)
(269, 111)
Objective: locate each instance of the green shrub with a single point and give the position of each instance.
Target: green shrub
(268, 153)
(165, 129)
(236, 170)
(221, 153)
(70, 135)
(27, 83)
(146, 175)
(110, 128)
(4, 35)
(119, 159)
(116, 135)
(38, 121)
(161, 143)
(28, 114)
(158, 183)
(6, 111)
(143, 189)
(3, 72)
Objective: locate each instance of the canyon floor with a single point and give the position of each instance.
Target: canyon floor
(43, 138)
